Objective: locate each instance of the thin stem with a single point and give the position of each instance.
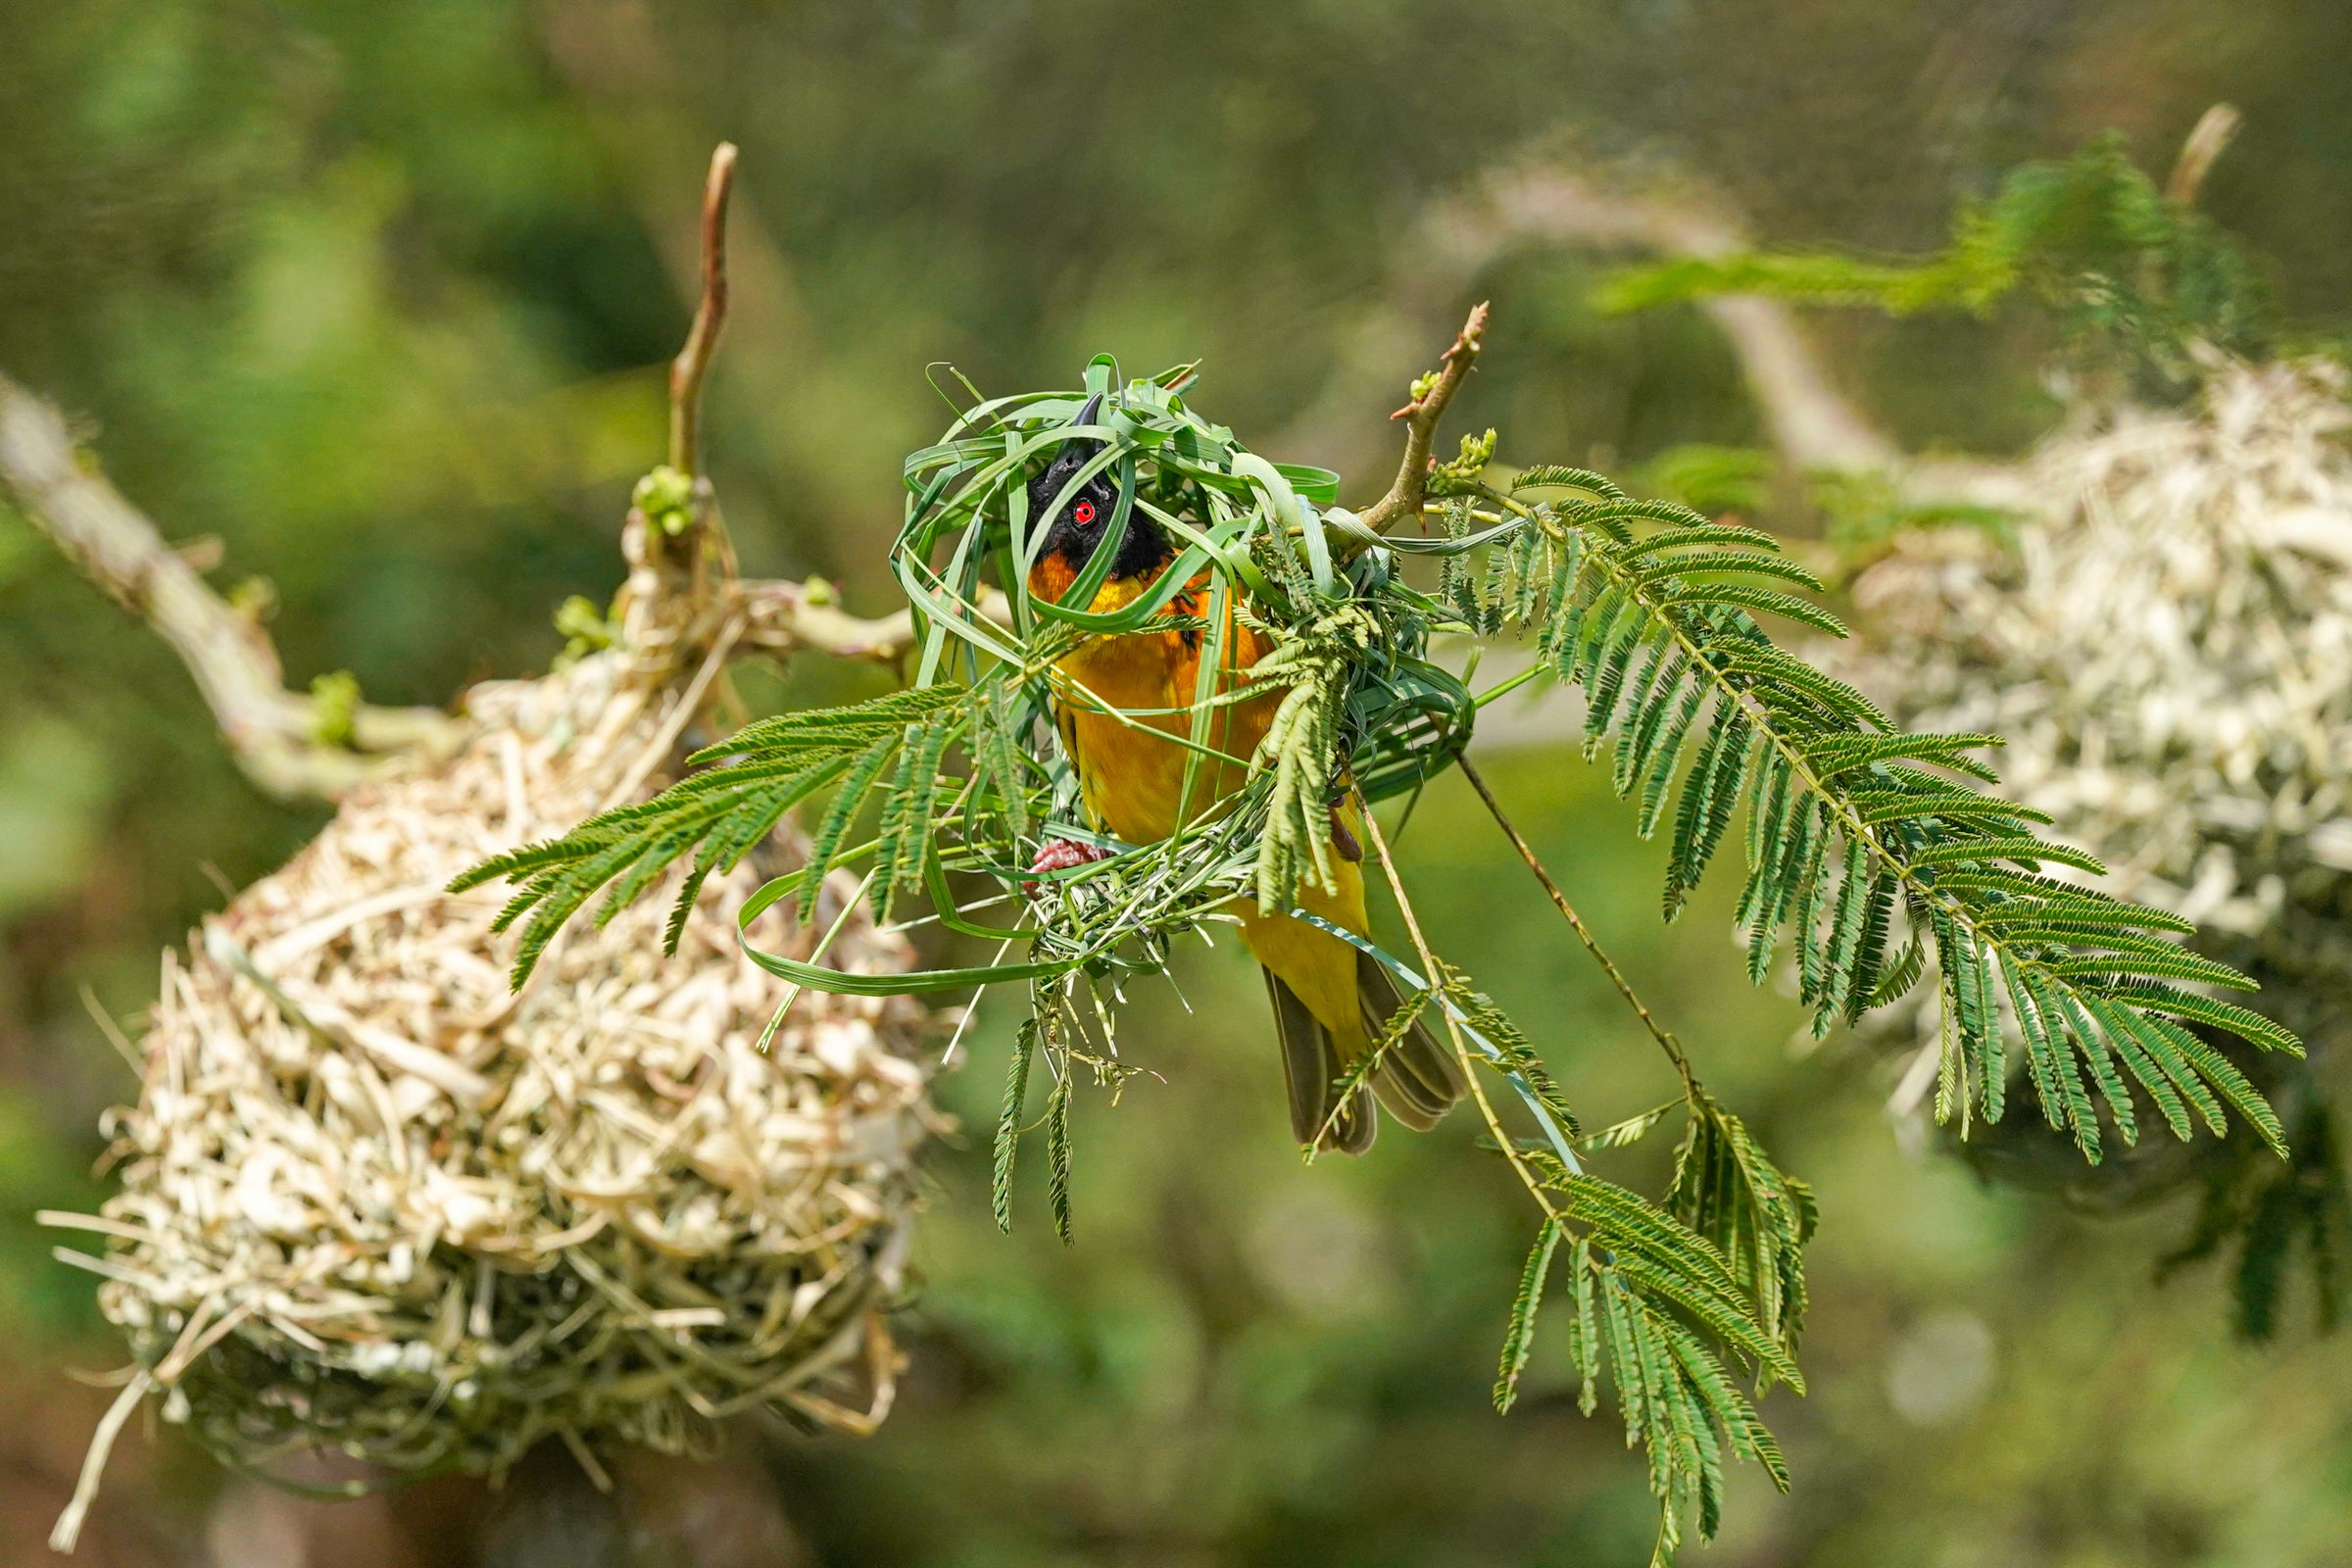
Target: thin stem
(2215, 129)
(1435, 977)
(682, 566)
(792, 993)
(1404, 498)
(1657, 1031)
(1504, 688)
(687, 370)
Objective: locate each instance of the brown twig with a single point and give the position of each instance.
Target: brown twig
(277, 735)
(693, 362)
(681, 563)
(787, 616)
(2215, 129)
(1459, 238)
(1657, 1031)
(1403, 501)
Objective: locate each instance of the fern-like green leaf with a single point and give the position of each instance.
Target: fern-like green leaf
(1520, 1342)
(1849, 823)
(1058, 1153)
(716, 815)
(1009, 1123)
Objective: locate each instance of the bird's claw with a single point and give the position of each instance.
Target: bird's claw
(1060, 854)
(1344, 840)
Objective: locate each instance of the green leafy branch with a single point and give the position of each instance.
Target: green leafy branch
(2135, 275)
(1872, 852)
(1854, 832)
(716, 815)
(1659, 1305)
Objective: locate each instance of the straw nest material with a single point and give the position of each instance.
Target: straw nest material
(2168, 653)
(372, 1202)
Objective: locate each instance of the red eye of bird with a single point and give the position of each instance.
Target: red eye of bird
(1083, 513)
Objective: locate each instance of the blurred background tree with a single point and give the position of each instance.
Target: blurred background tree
(378, 298)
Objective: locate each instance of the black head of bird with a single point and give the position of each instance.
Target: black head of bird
(1077, 515)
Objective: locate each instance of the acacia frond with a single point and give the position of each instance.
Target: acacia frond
(1657, 1307)
(2134, 276)
(717, 815)
(1006, 1144)
(1760, 1217)
(1858, 837)
(1675, 1395)
(1520, 1342)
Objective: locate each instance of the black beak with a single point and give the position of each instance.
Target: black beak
(1078, 448)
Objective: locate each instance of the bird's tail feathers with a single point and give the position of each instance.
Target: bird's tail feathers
(1419, 1079)
(1311, 1070)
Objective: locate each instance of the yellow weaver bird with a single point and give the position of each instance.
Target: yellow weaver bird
(1122, 705)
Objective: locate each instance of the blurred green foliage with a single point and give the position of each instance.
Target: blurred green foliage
(380, 295)
(2132, 276)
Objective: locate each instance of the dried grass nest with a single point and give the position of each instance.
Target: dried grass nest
(2168, 653)
(372, 1201)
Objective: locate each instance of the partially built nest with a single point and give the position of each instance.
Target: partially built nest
(372, 1202)
(2168, 653)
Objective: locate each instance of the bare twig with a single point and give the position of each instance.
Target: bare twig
(693, 362)
(681, 563)
(2215, 129)
(1458, 237)
(276, 734)
(683, 596)
(618, 62)
(788, 616)
(1813, 424)
(1403, 501)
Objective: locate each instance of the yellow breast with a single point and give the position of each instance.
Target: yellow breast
(1124, 707)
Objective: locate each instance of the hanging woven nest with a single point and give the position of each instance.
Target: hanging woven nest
(372, 1202)
(2166, 653)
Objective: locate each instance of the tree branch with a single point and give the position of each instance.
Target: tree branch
(1813, 424)
(693, 362)
(1403, 501)
(277, 735)
(1457, 239)
(782, 618)
(617, 62)
(675, 604)
(2211, 134)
